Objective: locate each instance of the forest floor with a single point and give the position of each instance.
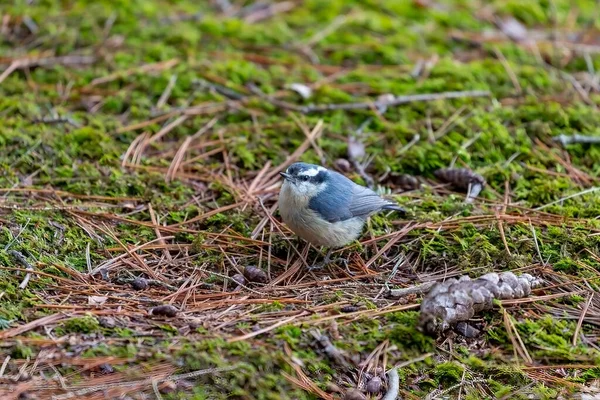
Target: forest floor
(141, 144)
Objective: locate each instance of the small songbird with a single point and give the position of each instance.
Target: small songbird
(324, 207)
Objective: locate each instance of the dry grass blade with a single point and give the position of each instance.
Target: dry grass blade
(177, 160)
(168, 128)
(47, 61)
(154, 67)
(208, 215)
(134, 149)
(49, 319)
(515, 338)
(263, 330)
(582, 318)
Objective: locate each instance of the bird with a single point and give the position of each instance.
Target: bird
(325, 208)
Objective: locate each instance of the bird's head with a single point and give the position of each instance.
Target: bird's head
(305, 179)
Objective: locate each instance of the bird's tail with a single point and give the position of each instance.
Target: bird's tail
(394, 207)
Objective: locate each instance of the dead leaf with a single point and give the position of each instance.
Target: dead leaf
(513, 29)
(301, 89)
(97, 300)
(356, 149)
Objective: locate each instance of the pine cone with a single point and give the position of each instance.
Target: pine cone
(459, 299)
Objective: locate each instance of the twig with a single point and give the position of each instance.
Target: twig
(57, 120)
(581, 318)
(329, 349)
(408, 145)
(590, 190)
(223, 90)
(417, 289)
(269, 11)
(360, 169)
(414, 360)
(377, 103)
(396, 101)
(23, 261)
(576, 138)
(393, 385)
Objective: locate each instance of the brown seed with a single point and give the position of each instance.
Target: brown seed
(354, 394)
(254, 274)
(139, 284)
(460, 178)
(165, 311)
(374, 385)
(342, 165)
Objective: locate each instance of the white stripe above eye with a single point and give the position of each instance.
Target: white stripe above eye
(312, 171)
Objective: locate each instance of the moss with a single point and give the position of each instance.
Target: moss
(85, 324)
(403, 332)
(358, 50)
(21, 351)
(448, 373)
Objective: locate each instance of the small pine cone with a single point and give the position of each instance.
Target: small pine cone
(374, 385)
(139, 284)
(164, 311)
(460, 178)
(342, 165)
(406, 182)
(354, 394)
(254, 274)
(238, 279)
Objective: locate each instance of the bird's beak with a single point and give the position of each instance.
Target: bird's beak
(285, 176)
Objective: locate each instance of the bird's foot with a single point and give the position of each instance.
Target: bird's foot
(326, 262)
(316, 267)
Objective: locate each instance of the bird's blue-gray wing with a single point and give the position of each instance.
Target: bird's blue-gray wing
(343, 199)
(365, 202)
(333, 203)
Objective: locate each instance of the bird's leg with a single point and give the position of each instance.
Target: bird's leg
(326, 261)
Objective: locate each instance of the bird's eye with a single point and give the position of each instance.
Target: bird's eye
(304, 178)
